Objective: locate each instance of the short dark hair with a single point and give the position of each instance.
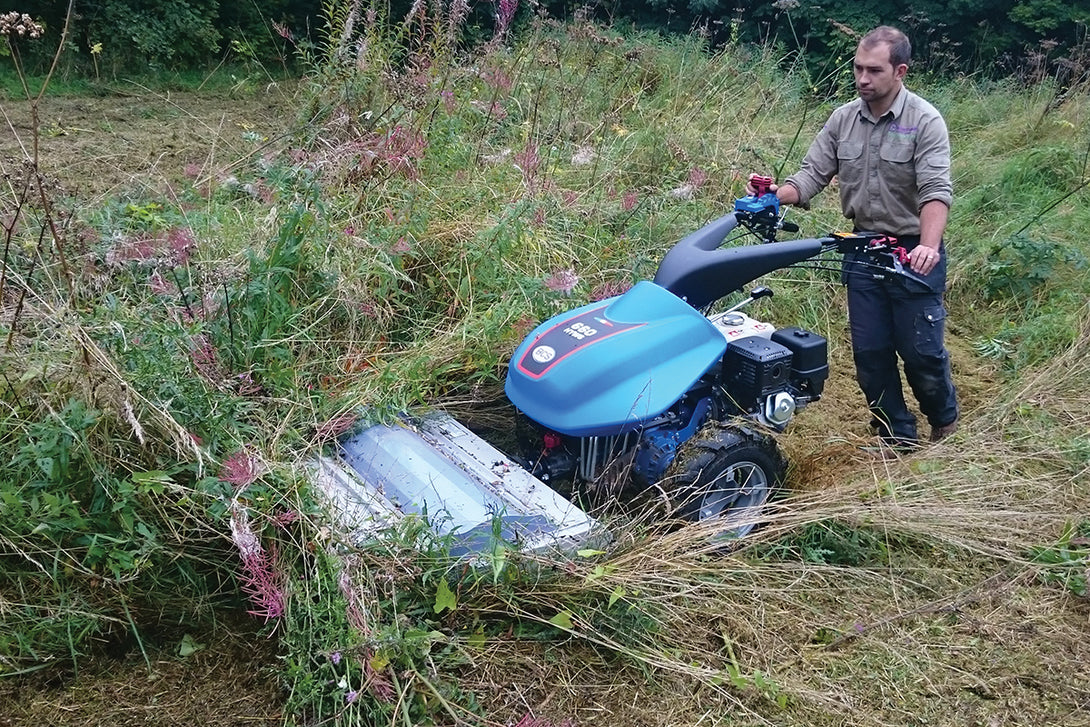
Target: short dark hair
(900, 49)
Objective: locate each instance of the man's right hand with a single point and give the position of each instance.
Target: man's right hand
(758, 183)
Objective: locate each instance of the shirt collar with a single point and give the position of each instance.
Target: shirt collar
(894, 111)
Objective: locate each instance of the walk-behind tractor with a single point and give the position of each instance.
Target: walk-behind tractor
(688, 402)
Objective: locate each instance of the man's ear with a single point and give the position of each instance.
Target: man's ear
(900, 71)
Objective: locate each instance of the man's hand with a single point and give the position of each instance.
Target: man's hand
(923, 259)
(756, 180)
(787, 193)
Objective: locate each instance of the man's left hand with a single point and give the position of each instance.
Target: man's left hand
(923, 259)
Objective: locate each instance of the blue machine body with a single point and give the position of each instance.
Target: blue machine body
(608, 367)
(766, 204)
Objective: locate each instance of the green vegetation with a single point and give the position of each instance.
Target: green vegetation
(173, 354)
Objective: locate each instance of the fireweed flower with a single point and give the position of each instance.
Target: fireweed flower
(241, 469)
(159, 286)
(528, 162)
(697, 178)
(608, 290)
(262, 578)
(562, 281)
(335, 426)
(505, 13)
(354, 610)
(181, 243)
(447, 97)
(456, 15)
(204, 358)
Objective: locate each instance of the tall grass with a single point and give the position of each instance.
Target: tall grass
(431, 205)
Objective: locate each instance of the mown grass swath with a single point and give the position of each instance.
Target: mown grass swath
(431, 205)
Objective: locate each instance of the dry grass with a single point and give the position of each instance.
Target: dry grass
(940, 620)
(943, 621)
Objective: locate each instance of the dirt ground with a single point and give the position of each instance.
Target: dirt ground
(229, 681)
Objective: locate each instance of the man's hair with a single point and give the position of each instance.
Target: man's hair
(900, 49)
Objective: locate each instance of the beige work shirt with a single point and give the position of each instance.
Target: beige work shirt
(887, 168)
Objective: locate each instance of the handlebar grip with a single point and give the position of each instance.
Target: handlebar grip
(760, 184)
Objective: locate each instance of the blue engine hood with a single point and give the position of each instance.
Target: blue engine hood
(605, 368)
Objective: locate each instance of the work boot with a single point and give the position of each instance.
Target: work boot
(940, 433)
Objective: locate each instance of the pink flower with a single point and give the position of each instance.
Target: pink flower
(284, 519)
(181, 243)
(241, 468)
(159, 286)
(447, 98)
(505, 13)
(562, 281)
(498, 79)
(354, 609)
(697, 178)
(204, 358)
(336, 426)
(401, 247)
(283, 31)
(262, 578)
(378, 684)
(528, 162)
(629, 200)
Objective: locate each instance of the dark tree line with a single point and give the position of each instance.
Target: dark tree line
(993, 36)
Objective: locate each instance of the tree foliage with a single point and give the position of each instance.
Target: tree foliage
(948, 35)
(126, 35)
(997, 36)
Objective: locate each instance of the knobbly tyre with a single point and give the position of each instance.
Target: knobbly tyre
(690, 401)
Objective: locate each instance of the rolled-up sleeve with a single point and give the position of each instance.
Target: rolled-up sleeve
(933, 163)
(819, 166)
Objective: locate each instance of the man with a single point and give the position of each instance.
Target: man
(890, 151)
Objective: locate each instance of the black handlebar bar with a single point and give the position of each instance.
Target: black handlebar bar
(698, 270)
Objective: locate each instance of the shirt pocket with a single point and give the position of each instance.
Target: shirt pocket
(849, 163)
(898, 170)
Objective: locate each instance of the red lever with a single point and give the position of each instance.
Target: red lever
(896, 250)
(760, 184)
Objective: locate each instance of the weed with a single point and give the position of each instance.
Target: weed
(1067, 562)
(1021, 267)
(438, 202)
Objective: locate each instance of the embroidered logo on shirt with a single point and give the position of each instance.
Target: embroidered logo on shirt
(904, 131)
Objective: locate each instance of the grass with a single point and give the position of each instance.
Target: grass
(227, 313)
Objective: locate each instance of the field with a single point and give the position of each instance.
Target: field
(237, 275)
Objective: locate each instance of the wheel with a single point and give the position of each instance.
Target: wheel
(726, 473)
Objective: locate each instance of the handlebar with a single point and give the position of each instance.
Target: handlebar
(699, 270)
(761, 214)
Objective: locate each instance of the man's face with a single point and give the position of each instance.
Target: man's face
(876, 78)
